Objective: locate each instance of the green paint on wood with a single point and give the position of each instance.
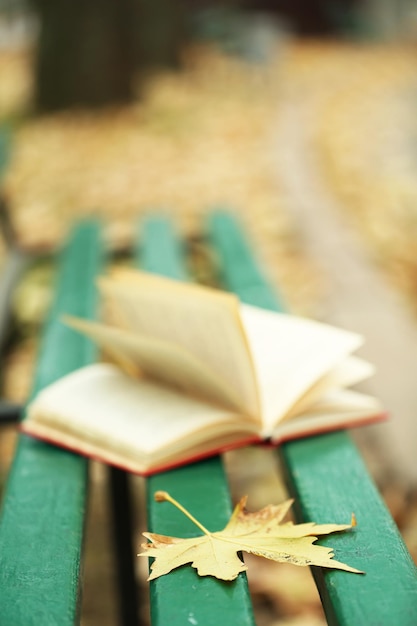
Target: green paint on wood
(182, 597)
(162, 252)
(41, 529)
(330, 481)
(5, 142)
(239, 270)
(327, 477)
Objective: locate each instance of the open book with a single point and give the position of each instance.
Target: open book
(191, 372)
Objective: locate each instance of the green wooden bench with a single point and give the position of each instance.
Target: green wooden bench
(41, 528)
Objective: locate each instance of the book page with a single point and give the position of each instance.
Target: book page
(336, 410)
(100, 408)
(163, 361)
(351, 371)
(291, 354)
(204, 322)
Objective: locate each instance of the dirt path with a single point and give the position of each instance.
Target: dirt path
(357, 295)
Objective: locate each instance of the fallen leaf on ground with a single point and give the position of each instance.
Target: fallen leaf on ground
(261, 533)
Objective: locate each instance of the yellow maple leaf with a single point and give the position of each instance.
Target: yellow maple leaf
(261, 533)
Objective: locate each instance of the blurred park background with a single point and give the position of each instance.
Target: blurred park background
(300, 116)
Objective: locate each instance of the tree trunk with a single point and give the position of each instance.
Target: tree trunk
(89, 50)
(161, 33)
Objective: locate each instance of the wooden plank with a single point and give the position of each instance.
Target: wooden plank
(329, 480)
(183, 597)
(160, 250)
(238, 268)
(327, 477)
(5, 149)
(41, 529)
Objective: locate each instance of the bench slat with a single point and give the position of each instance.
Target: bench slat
(329, 480)
(5, 142)
(43, 511)
(183, 597)
(238, 269)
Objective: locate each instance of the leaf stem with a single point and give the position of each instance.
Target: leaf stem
(163, 496)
